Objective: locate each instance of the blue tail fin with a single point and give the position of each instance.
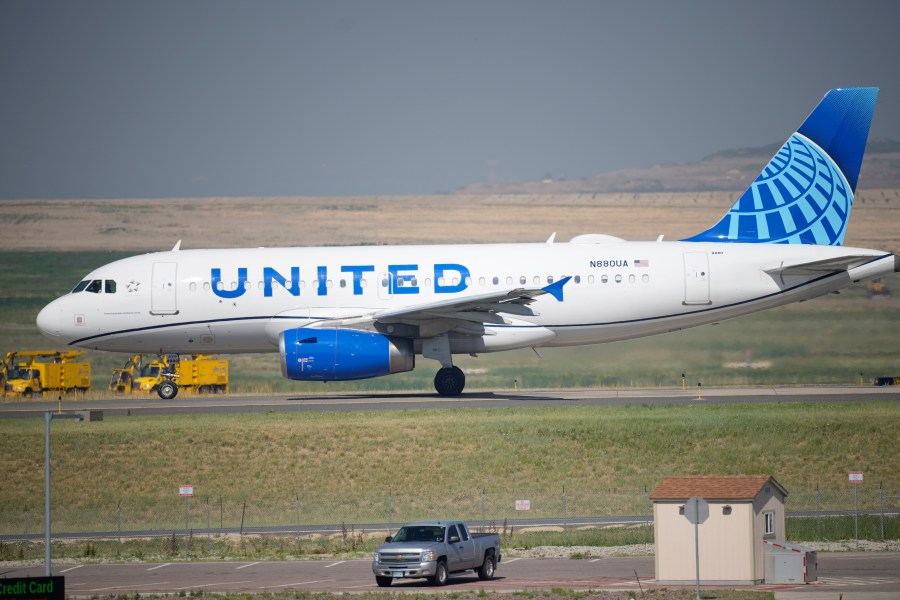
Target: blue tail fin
(805, 193)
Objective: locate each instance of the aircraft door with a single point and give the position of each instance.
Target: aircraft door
(163, 289)
(696, 278)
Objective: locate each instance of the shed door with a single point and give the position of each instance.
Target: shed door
(696, 278)
(162, 298)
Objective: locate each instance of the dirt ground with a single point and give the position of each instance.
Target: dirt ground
(157, 224)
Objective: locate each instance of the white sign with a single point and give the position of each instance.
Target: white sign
(856, 476)
(185, 490)
(523, 504)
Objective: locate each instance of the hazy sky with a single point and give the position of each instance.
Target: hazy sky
(199, 98)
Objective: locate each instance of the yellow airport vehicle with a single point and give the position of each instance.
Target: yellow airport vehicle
(34, 373)
(166, 374)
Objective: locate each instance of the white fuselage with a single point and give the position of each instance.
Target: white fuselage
(239, 300)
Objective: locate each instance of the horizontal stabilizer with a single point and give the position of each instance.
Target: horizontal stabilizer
(819, 267)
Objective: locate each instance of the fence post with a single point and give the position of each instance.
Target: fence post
(298, 523)
(243, 511)
(856, 513)
(390, 509)
(565, 519)
(221, 515)
(27, 545)
(208, 528)
(818, 517)
(483, 519)
(881, 502)
(119, 524)
(648, 513)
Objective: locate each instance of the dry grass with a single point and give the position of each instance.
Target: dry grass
(156, 224)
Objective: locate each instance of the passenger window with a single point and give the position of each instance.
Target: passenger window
(463, 534)
(80, 287)
(523, 280)
(110, 286)
(549, 278)
(578, 279)
(94, 287)
(509, 280)
(193, 286)
(343, 283)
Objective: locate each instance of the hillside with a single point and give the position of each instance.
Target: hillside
(726, 171)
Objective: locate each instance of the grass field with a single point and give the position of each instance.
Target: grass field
(348, 456)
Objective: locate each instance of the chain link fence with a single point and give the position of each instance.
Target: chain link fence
(864, 512)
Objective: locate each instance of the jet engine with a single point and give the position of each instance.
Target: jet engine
(342, 354)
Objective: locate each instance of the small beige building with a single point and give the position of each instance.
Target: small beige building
(744, 512)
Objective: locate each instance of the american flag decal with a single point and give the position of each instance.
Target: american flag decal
(642, 263)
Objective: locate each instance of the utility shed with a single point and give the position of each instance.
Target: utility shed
(744, 512)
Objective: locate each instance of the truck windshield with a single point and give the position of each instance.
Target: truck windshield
(420, 533)
(150, 371)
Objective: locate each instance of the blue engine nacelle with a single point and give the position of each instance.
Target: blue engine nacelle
(342, 354)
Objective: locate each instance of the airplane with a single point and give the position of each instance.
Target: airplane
(345, 313)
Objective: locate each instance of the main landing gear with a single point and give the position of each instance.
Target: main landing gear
(450, 381)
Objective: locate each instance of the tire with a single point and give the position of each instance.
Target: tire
(383, 581)
(28, 393)
(450, 381)
(441, 575)
(486, 570)
(167, 390)
(204, 389)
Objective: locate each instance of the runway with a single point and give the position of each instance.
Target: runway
(856, 575)
(152, 405)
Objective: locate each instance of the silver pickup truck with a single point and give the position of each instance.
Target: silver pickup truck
(434, 550)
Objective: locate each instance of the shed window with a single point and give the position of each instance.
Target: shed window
(769, 519)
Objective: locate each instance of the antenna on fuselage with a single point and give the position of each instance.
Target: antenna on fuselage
(177, 246)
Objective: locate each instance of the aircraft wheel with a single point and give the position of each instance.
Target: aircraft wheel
(450, 381)
(167, 390)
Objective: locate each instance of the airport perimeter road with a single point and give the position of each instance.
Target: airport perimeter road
(855, 574)
(152, 405)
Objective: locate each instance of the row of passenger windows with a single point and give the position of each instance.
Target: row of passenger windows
(96, 286)
(414, 282)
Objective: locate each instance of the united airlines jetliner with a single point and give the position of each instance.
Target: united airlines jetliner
(357, 312)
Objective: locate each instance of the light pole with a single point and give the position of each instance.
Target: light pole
(48, 417)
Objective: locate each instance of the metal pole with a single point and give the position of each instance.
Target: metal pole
(881, 499)
(119, 524)
(47, 572)
(697, 555)
(298, 523)
(565, 520)
(818, 517)
(186, 527)
(27, 545)
(856, 512)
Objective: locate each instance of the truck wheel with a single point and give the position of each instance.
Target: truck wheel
(383, 581)
(486, 570)
(167, 390)
(441, 575)
(28, 393)
(204, 389)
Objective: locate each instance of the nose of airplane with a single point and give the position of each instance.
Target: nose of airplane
(48, 321)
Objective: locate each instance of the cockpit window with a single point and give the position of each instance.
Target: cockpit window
(109, 286)
(80, 287)
(94, 287)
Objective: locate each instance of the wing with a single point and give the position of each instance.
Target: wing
(468, 314)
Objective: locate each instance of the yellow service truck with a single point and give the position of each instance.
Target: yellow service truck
(167, 374)
(33, 373)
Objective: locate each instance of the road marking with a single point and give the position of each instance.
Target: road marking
(340, 562)
(353, 587)
(298, 583)
(190, 587)
(511, 560)
(72, 569)
(245, 566)
(596, 560)
(159, 566)
(128, 587)
(857, 580)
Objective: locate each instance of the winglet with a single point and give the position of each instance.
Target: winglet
(556, 289)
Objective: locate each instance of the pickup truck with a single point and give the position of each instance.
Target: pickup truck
(434, 550)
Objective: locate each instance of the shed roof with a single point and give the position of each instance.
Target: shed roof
(714, 487)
